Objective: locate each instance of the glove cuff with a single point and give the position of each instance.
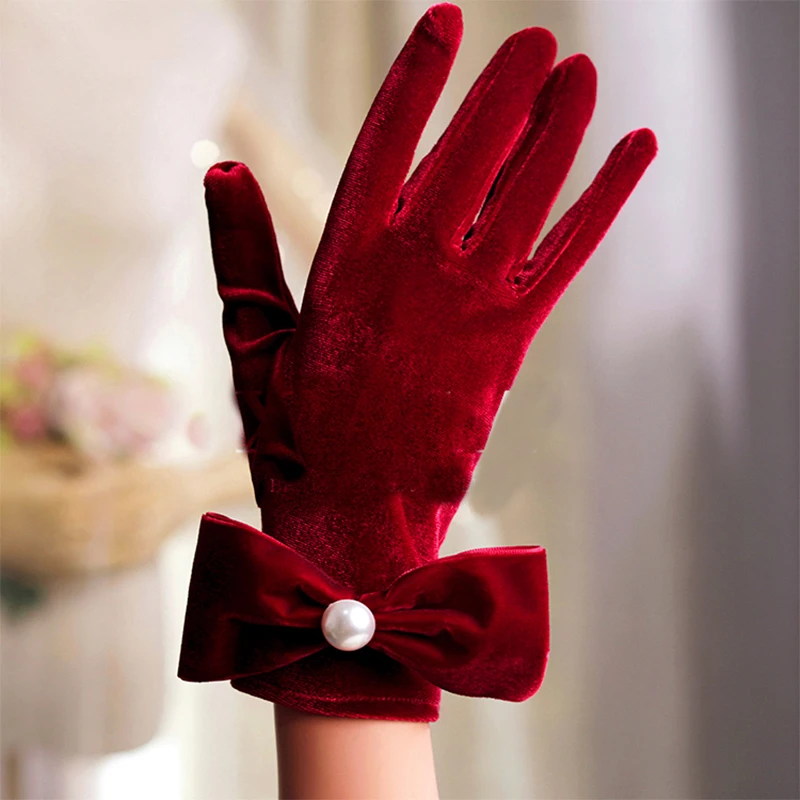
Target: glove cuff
(363, 685)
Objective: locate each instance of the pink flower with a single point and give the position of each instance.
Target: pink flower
(97, 406)
(110, 416)
(26, 422)
(35, 372)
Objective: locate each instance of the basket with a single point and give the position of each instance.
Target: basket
(60, 515)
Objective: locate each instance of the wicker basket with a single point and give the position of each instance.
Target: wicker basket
(61, 516)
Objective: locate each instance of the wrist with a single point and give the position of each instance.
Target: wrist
(353, 758)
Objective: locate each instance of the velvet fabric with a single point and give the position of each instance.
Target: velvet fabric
(366, 412)
(475, 623)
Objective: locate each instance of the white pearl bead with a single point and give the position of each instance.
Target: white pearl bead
(348, 625)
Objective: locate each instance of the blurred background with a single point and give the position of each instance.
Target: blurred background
(650, 442)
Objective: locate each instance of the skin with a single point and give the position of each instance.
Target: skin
(353, 759)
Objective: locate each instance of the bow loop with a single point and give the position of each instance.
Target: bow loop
(475, 623)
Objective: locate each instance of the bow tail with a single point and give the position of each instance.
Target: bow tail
(476, 623)
(254, 604)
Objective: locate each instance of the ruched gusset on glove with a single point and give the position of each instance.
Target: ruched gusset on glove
(366, 412)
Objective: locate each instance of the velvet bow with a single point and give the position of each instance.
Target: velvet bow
(475, 623)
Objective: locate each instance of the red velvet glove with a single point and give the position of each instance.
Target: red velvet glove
(365, 414)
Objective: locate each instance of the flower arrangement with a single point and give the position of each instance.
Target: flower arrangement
(83, 400)
(93, 472)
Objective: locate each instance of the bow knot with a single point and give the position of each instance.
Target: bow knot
(475, 623)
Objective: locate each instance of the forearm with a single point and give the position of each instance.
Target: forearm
(334, 757)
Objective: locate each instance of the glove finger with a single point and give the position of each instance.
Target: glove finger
(368, 192)
(453, 180)
(568, 246)
(534, 174)
(258, 310)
